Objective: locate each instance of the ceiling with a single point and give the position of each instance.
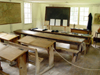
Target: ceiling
(67, 1)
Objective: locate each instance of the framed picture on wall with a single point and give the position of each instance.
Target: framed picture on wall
(58, 21)
(65, 22)
(97, 18)
(52, 22)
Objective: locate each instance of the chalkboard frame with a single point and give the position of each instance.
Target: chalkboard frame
(58, 13)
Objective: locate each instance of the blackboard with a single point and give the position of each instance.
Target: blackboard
(57, 13)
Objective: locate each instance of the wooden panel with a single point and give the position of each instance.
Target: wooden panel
(26, 39)
(2, 34)
(7, 37)
(44, 43)
(11, 53)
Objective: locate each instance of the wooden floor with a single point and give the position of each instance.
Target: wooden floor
(90, 60)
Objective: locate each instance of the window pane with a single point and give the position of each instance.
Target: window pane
(26, 20)
(81, 18)
(72, 8)
(84, 11)
(86, 14)
(76, 9)
(81, 8)
(86, 18)
(85, 22)
(74, 15)
(27, 13)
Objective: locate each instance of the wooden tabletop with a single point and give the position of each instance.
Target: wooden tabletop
(39, 42)
(64, 33)
(59, 38)
(10, 52)
(6, 36)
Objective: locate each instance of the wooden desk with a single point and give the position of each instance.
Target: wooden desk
(58, 38)
(8, 37)
(11, 53)
(83, 31)
(44, 43)
(87, 37)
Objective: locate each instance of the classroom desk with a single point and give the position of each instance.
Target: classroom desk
(59, 38)
(84, 31)
(40, 42)
(8, 37)
(12, 53)
(86, 36)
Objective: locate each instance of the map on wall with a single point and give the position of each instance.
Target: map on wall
(10, 13)
(97, 18)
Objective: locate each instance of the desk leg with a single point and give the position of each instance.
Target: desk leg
(55, 45)
(51, 56)
(51, 60)
(22, 65)
(0, 66)
(37, 63)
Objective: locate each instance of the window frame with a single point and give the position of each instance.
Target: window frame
(83, 16)
(26, 13)
(79, 17)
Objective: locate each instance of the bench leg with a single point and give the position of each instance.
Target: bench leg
(74, 57)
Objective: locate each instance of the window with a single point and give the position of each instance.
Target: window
(27, 13)
(74, 15)
(83, 18)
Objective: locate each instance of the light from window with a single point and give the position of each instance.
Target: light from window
(83, 19)
(27, 13)
(74, 15)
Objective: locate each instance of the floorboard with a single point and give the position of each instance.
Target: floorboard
(91, 60)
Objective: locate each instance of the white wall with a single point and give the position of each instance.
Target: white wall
(11, 27)
(93, 9)
(38, 15)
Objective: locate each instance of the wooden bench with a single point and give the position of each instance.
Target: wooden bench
(75, 53)
(76, 48)
(70, 48)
